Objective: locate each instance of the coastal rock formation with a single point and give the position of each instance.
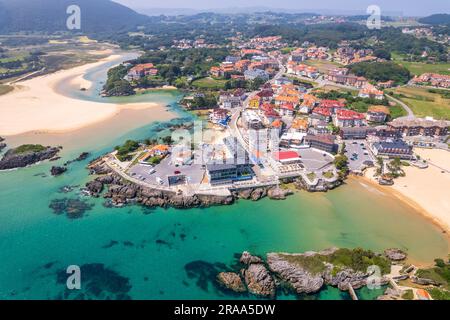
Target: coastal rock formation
(424, 281)
(247, 258)
(394, 254)
(258, 280)
(391, 294)
(2, 144)
(21, 157)
(309, 272)
(232, 281)
(81, 157)
(278, 193)
(56, 171)
(300, 279)
(121, 192)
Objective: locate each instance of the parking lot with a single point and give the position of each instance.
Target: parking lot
(358, 154)
(313, 160)
(158, 175)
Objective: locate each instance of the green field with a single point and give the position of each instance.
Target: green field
(418, 68)
(4, 89)
(209, 83)
(424, 103)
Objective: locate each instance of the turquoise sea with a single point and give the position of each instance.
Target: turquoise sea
(141, 253)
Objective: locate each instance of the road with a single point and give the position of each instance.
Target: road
(233, 126)
(410, 115)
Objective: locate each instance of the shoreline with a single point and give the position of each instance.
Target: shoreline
(35, 106)
(443, 226)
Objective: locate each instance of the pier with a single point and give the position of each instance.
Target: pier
(352, 292)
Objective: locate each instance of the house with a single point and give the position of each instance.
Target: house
(292, 139)
(283, 81)
(141, 70)
(241, 65)
(386, 85)
(229, 101)
(348, 118)
(232, 59)
(256, 73)
(270, 116)
(286, 109)
(216, 72)
(377, 113)
(322, 114)
(393, 149)
(324, 142)
(299, 125)
(283, 99)
(371, 92)
(265, 95)
(159, 150)
(254, 102)
(219, 116)
(308, 104)
(331, 105)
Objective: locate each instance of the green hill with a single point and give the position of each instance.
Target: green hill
(50, 16)
(436, 19)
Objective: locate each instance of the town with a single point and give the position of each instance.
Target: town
(308, 119)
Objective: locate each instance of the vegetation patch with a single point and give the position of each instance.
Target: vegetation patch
(29, 148)
(425, 103)
(382, 71)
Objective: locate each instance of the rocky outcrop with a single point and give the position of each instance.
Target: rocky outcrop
(424, 281)
(57, 171)
(13, 159)
(278, 193)
(2, 144)
(259, 281)
(394, 254)
(231, 281)
(81, 157)
(248, 259)
(300, 279)
(391, 294)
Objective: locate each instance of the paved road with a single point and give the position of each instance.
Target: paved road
(408, 110)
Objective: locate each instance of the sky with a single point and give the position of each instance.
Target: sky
(402, 7)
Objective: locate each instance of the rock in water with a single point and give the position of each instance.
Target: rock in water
(299, 278)
(56, 171)
(259, 281)
(248, 259)
(232, 281)
(394, 254)
(278, 193)
(26, 155)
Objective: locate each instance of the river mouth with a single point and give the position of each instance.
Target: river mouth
(148, 252)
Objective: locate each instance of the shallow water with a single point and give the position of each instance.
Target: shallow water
(141, 253)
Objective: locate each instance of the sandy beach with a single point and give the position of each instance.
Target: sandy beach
(427, 190)
(34, 105)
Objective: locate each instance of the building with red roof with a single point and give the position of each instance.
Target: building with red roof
(348, 118)
(286, 157)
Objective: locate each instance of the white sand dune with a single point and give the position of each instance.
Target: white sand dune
(34, 105)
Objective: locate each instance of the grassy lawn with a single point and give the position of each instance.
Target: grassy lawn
(418, 68)
(4, 89)
(397, 111)
(29, 148)
(328, 174)
(424, 103)
(323, 65)
(209, 83)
